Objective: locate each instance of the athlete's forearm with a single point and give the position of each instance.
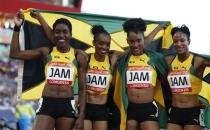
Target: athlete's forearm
(82, 102)
(47, 29)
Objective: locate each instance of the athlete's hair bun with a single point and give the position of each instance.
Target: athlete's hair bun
(184, 29)
(134, 25)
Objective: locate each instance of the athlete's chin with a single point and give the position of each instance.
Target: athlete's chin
(180, 52)
(137, 53)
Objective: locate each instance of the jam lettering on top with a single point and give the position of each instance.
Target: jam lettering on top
(97, 79)
(179, 81)
(139, 77)
(60, 73)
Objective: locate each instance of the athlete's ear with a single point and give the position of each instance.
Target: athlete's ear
(189, 41)
(127, 41)
(94, 42)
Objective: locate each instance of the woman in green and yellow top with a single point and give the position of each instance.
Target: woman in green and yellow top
(185, 79)
(98, 81)
(55, 109)
(139, 74)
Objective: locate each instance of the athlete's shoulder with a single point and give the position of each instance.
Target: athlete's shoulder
(202, 56)
(154, 54)
(81, 56)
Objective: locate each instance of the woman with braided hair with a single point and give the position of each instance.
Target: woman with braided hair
(63, 65)
(139, 72)
(185, 78)
(99, 77)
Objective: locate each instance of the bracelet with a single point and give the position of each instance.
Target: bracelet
(17, 29)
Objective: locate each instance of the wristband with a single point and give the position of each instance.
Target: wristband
(17, 29)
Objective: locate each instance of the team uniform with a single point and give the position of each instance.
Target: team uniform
(140, 75)
(183, 82)
(60, 70)
(98, 80)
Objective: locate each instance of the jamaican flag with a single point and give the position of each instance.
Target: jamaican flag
(204, 95)
(31, 74)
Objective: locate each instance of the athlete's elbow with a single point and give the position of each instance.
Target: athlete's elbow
(14, 55)
(82, 90)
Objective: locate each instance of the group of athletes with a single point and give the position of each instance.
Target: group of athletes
(95, 73)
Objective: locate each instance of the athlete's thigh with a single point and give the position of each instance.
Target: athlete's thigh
(131, 125)
(44, 122)
(149, 125)
(192, 127)
(87, 125)
(64, 123)
(100, 125)
(171, 126)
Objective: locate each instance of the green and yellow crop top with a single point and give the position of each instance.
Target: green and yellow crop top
(99, 76)
(181, 80)
(60, 68)
(139, 73)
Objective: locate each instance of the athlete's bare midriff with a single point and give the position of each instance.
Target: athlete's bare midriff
(58, 91)
(143, 95)
(185, 101)
(97, 98)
